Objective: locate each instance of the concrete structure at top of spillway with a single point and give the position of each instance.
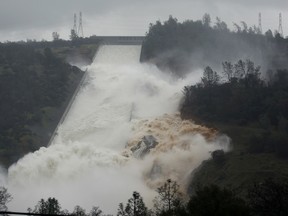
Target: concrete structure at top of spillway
(121, 40)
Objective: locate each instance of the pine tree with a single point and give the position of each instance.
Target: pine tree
(5, 198)
(134, 207)
(168, 201)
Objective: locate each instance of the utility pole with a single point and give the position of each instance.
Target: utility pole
(260, 23)
(80, 28)
(75, 23)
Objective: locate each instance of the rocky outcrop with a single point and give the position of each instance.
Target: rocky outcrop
(144, 146)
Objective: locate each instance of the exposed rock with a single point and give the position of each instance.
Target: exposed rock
(144, 146)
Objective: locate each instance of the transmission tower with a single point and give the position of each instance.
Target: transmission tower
(75, 23)
(80, 28)
(280, 29)
(260, 23)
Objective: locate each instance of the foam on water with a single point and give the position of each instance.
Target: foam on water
(90, 162)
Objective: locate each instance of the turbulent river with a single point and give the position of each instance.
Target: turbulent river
(99, 156)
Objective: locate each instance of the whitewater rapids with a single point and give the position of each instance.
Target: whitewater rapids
(90, 162)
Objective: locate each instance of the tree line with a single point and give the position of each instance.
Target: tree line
(239, 96)
(34, 86)
(235, 95)
(181, 47)
(263, 199)
(56, 43)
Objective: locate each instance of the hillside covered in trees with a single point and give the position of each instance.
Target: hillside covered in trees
(184, 47)
(252, 112)
(36, 84)
(243, 93)
(235, 95)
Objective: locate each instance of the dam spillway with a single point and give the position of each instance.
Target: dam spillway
(90, 162)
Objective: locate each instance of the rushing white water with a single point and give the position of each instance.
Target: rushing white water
(91, 163)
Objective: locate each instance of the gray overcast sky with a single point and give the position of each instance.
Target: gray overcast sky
(37, 19)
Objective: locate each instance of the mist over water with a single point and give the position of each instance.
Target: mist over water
(90, 162)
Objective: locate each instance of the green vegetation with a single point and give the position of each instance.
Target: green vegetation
(245, 101)
(134, 206)
(5, 198)
(36, 84)
(79, 55)
(184, 47)
(50, 206)
(268, 198)
(253, 113)
(212, 200)
(261, 199)
(169, 200)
